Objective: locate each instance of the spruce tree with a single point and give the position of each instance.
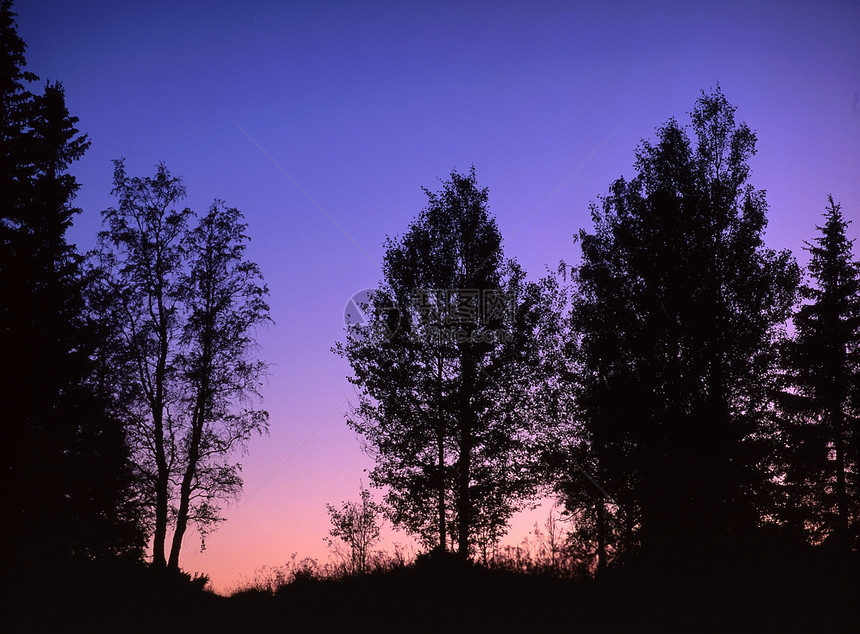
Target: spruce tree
(65, 471)
(823, 371)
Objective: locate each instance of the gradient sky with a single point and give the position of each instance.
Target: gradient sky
(322, 120)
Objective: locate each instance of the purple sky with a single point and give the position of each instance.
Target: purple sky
(321, 121)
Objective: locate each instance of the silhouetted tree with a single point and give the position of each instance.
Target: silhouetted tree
(677, 306)
(65, 474)
(16, 114)
(823, 379)
(445, 366)
(142, 252)
(603, 532)
(225, 301)
(357, 525)
(185, 305)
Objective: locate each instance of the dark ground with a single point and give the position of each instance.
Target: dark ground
(808, 596)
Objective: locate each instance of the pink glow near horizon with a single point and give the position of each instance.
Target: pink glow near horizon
(360, 106)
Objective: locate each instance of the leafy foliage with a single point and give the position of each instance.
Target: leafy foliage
(357, 526)
(184, 303)
(446, 382)
(678, 305)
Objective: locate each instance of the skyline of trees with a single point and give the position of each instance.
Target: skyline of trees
(692, 418)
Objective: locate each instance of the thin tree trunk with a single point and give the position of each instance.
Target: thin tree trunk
(162, 476)
(185, 490)
(601, 535)
(841, 487)
(440, 447)
(464, 509)
(197, 423)
(161, 484)
(187, 480)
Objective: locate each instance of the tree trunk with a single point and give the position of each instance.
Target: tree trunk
(185, 488)
(179, 531)
(197, 422)
(159, 314)
(162, 481)
(184, 501)
(601, 535)
(440, 447)
(841, 487)
(464, 507)
(443, 529)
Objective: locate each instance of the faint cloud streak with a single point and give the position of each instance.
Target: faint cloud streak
(304, 191)
(573, 172)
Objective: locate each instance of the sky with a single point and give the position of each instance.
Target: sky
(322, 121)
